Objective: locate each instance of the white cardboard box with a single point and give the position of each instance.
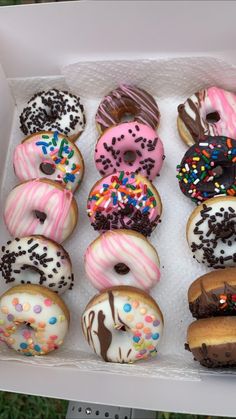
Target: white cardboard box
(38, 40)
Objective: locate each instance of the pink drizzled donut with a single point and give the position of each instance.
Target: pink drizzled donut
(122, 257)
(41, 207)
(130, 146)
(127, 100)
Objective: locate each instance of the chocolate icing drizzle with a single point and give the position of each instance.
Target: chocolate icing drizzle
(194, 125)
(213, 356)
(104, 336)
(217, 302)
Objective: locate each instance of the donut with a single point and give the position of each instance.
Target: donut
(124, 200)
(33, 319)
(127, 100)
(130, 147)
(208, 169)
(211, 232)
(36, 260)
(49, 155)
(123, 324)
(213, 341)
(53, 110)
(122, 257)
(213, 294)
(41, 207)
(211, 112)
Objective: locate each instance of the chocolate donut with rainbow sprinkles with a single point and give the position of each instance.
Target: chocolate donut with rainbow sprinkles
(208, 168)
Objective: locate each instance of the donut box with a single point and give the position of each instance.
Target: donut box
(32, 61)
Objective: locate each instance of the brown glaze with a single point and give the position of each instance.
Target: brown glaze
(213, 356)
(217, 302)
(104, 336)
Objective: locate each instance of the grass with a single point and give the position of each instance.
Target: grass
(20, 406)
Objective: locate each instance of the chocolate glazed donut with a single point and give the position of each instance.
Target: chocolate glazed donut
(208, 169)
(127, 100)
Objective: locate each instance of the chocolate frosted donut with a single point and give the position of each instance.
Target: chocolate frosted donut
(127, 100)
(213, 341)
(208, 169)
(213, 294)
(211, 232)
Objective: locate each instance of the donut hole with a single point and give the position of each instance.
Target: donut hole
(127, 117)
(121, 269)
(121, 328)
(31, 274)
(40, 215)
(129, 156)
(217, 171)
(47, 168)
(212, 117)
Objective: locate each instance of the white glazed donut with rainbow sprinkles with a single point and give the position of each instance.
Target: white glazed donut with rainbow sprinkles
(49, 155)
(33, 320)
(123, 324)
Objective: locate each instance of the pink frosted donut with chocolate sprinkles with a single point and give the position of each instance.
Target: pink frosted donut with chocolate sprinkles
(122, 257)
(124, 200)
(132, 100)
(130, 146)
(41, 207)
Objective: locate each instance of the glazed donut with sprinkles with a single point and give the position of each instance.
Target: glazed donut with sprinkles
(124, 200)
(130, 147)
(211, 232)
(123, 324)
(208, 169)
(49, 155)
(53, 110)
(33, 320)
(36, 260)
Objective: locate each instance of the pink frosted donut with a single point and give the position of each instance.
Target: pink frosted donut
(209, 112)
(124, 200)
(41, 207)
(130, 146)
(122, 257)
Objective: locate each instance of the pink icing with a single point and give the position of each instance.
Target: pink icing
(24, 199)
(120, 247)
(145, 145)
(225, 103)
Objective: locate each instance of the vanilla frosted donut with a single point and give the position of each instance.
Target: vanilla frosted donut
(53, 110)
(37, 260)
(130, 147)
(49, 155)
(123, 324)
(124, 200)
(211, 112)
(122, 257)
(41, 207)
(33, 319)
(211, 232)
(127, 100)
